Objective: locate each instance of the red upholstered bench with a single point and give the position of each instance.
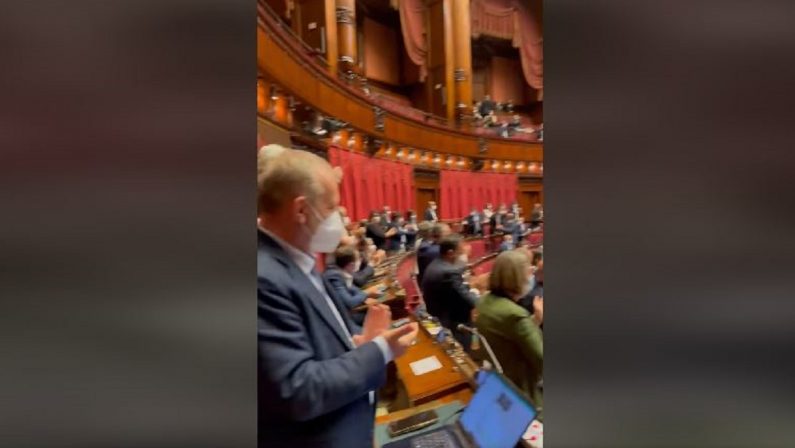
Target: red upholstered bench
(478, 249)
(484, 267)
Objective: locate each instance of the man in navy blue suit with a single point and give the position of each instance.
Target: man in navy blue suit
(340, 276)
(429, 249)
(474, 221)
(430, 212)
(316, 377)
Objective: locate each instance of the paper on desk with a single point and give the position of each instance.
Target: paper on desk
(425, 365)
(534, 435)
(434, 330)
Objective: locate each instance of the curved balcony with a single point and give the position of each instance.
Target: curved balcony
(284, 59)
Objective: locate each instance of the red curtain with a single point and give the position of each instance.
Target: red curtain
(412, 23)
(513, 19)
(463, 190)
(369, 184)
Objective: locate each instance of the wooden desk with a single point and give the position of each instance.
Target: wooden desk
(436, 384)
(463, 395)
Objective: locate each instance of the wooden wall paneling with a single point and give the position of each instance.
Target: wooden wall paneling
(426, 184)
(324, 94)
(311, 21)
(531, 191)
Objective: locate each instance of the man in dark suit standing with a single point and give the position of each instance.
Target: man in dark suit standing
(429, 248)
(430, 212)
(446, 296)
(386, 215)
(316, 376)
(511, 227)
(366, 271)
(474, 221)
(378, 231)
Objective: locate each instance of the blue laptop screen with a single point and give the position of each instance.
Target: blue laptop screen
(497, 416)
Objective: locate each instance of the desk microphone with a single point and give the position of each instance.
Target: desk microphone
(474, 331)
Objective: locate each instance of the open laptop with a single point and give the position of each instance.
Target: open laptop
(496, 417)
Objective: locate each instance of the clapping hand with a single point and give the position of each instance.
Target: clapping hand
(376, 322)
(538, 309)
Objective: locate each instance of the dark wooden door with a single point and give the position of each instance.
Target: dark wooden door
(424, 195)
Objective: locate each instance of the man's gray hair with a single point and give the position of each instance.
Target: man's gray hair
(284, 174)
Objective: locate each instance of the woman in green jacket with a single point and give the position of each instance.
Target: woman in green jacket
(513, 333)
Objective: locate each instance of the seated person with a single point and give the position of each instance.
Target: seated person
(490, 120)
(340, 278)
(446, 295)
(515, 123)
(370, 258)
(507, 243)
(504, 131)
(514, 335)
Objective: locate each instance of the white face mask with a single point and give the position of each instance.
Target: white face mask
(328, 234)
(462, 259)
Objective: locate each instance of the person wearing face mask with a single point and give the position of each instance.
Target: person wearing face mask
(511, 227)
(430, 212)
(446, 295)
(411, 217)
(386, 214)
(535, 283)
(398, 233)
(514, 335)
(316, 374)
(379, 231)
(507, 243)
(411, 229)
(429, 248)
(339, 275)
(346, 220)
(473, 222)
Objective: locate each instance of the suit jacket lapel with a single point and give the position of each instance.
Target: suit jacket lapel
(320, 305)
(343, 310)
(306, 287)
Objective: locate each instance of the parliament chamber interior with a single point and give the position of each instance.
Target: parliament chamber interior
(429, 114)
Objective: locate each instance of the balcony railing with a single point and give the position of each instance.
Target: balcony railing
(356, 84)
